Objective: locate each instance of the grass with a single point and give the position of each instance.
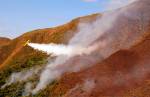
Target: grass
(18, 65)
(14, 90)
(24, 60)
(27, 57)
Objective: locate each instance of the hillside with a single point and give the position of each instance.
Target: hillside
(15, 57)
(121, 70)
(4, 41)
(59, 34)
(119, 67)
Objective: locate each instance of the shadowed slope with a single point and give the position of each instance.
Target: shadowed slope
(123, 74)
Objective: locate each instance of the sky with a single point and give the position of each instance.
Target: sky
(20, 16)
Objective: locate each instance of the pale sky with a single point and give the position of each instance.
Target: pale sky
(20, 16)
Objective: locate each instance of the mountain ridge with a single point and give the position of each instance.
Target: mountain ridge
(4, 41)
(123, 73)
(45, 36)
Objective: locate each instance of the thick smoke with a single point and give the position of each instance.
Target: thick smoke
(57, 50)
(97, 35)
(94, 42)
(60, 65)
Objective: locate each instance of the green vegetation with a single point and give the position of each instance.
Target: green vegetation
(34, 61)
(18, 65)
(27, 58)
(47, 91)
(14, 90)
(24, 60)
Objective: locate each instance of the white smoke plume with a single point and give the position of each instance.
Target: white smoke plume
(98, 35)
(21, 76)
(57, 50)
(28, 88)
(94, 42)
(94, 31)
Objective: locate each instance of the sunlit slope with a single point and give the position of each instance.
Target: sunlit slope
(4, 41)
(125, 73)
(60, 34)
(15, 57)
